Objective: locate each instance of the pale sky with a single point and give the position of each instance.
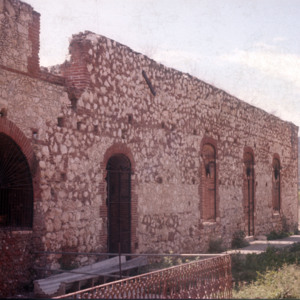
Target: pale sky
(249, 48)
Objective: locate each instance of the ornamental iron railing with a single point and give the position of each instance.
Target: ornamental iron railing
(201, 279)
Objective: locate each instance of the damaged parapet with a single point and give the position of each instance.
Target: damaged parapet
(75, 71)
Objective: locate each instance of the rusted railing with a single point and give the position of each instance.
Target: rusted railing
(202, 279)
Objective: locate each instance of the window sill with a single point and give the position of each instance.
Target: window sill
(209, 223)
(276, 214)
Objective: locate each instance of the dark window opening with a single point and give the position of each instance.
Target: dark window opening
(60, 122)
(16, 191)
(3, 112)
(124, 133)
(63, 176)
(74, 103)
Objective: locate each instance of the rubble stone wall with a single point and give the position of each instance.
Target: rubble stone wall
(113, 100)
(164, 134)
(19, 36)
(164, 131)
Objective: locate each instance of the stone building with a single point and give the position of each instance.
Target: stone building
(113, 149)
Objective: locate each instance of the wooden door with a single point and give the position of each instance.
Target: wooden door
(119, 204)
(249, 193)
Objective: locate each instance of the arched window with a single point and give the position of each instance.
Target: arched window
(276, 184)
(16, 191)
(208, 183)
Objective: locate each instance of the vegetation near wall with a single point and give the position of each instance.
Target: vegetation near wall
(281, 284)
(274, 274)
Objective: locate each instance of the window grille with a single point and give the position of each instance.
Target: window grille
(16, 192)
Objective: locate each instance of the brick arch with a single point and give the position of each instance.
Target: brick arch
(248, 150)
(211, 141)
(119, 148)
(10, 129)
(276, 156)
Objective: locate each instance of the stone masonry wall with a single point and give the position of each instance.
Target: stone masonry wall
(164, 134)
(19, 36)
(114, 100)
(30, 105)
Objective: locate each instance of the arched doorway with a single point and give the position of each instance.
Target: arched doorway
(16, 190)
(249, 193)
(119, 203)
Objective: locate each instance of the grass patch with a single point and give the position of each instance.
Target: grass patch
(274, 235)
(281, 284)
(249, 270)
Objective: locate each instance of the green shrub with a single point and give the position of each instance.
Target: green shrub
(274, 235)
(238, 240)
(215, 246)
(245, 267)
(281, 284)
(286, 231)
(171, 261)
(295, 228)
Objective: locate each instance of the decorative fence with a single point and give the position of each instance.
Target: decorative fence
(202, 279)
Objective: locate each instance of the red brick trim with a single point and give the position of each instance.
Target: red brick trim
(209, 140)
(76, 73)
(276, 157)
(44, 76)
(249, 150)
(10, 129)
(119, 148)
(202, 185)
(33, 62)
